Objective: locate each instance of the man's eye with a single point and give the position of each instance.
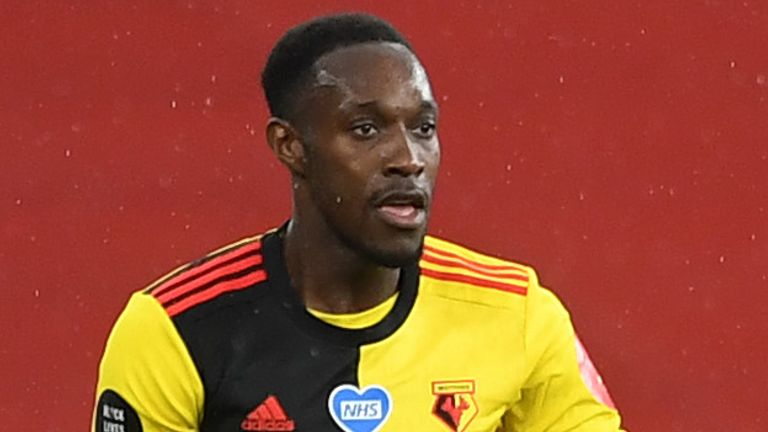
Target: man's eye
(426, 130)
(366, 130)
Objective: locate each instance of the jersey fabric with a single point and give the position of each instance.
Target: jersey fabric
(469, 343)
(360, 319)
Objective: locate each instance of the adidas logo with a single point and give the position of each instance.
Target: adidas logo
(268, 416)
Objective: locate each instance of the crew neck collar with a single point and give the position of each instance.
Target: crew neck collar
(291, 302)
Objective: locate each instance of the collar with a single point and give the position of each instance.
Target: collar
(290, 301)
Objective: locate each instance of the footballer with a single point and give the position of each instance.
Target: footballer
(349, 317)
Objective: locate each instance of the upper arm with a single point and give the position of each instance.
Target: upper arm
(147, 379)
(555, 396)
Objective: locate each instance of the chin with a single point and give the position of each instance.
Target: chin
(395, 259)
(392, 252)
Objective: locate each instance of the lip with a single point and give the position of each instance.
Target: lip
(402, 216)
(403, 209)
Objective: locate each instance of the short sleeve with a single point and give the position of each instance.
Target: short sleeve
(147, 379)
(555, 396)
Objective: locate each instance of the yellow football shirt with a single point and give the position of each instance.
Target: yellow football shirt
(469, 343)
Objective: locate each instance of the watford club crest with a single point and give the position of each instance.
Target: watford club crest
(455, 403)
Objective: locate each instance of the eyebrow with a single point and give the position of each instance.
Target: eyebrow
(425, 105)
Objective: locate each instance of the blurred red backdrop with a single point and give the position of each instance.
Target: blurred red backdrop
(619, 147)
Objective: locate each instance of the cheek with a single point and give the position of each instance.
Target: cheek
(432, 160)
(341, 175)
(436, 154)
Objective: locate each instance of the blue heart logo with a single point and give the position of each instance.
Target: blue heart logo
(356, 410)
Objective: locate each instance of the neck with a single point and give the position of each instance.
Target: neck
(329, 275)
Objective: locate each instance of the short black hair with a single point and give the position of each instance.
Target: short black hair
(291, 60)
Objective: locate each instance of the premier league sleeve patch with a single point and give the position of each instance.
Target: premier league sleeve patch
(114, 414)
(356, 410)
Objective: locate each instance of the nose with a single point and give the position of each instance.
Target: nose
(406, 156)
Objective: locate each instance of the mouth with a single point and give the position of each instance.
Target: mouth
(404, 209)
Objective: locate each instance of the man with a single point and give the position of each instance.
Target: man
(348, 317)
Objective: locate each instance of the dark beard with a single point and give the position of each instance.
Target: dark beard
(356, 244)
(378, 256)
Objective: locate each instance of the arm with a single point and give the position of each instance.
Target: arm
(147, 380)
(555, 396)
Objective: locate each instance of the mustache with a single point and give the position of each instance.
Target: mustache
(403, 191)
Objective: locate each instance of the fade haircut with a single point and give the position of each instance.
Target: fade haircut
(290, 63)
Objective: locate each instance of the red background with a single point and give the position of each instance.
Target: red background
(620, 147)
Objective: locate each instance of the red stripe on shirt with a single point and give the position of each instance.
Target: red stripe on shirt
(485, 283)
(446, 254)
(454, 263)
(216, 290)
(199, 282)
(191, 274)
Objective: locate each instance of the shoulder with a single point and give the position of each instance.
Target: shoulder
(450, 269)
(212, 279)
(146, 371)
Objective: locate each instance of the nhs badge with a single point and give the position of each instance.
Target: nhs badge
(356, 410)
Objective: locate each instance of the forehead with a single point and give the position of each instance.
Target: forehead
(374, 71)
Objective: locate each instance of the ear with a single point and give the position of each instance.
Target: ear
(287, 145)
